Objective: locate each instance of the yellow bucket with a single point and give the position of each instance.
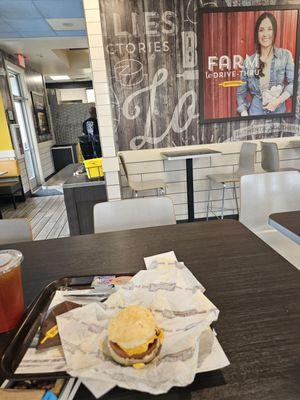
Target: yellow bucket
(94, 167)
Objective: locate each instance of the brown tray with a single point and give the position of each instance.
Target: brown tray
(27, 329)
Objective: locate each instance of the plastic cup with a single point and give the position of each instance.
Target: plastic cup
(11, 289)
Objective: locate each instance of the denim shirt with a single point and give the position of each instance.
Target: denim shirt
(281, 72)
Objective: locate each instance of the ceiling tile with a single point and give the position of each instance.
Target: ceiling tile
(30, 25)
(5, 27)
(9, 35)
(18, 9)
(37, 34)
(60, 8)
(70, 33)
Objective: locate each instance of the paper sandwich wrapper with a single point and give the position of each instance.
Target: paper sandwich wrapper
(181, 309)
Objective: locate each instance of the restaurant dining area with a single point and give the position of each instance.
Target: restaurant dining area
(149, 200)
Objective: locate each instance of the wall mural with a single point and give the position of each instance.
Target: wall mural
(250, 71)
(153, 64)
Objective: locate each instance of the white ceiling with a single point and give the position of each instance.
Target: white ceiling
(51, 56)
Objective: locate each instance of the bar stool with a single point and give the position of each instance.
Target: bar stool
(158, 184)
(246, 167)
(270, 158)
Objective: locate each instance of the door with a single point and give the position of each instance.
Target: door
(22, 120)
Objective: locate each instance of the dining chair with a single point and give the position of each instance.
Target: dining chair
(136, 187)
(268, 193)
(270, 158)
(246, 166)
(15, 230)
(135, 213)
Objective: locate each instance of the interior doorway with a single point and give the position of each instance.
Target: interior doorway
(21, 109)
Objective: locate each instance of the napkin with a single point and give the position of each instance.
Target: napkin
(181, 309)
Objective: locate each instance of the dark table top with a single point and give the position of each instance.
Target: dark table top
(288, 223)
(256, 290)
(82, 181)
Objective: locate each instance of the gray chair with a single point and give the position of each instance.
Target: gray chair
(270, 158)
(156, 184)
(15, 230)
(133, 213)
(246, 167)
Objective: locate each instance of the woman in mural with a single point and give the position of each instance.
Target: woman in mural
(268, 74)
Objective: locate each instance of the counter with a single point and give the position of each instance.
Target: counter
(82, 181)
(81, 194)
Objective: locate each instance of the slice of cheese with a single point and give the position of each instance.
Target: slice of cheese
(143, 347)
(138, 365)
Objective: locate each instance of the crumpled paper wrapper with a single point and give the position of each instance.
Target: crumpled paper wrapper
(181, 309)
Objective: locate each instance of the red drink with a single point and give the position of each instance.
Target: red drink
(11, 289)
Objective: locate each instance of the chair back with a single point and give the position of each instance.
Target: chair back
(133, 213)
(268, 193)
(124, 165)
(269, 156)
(247, 158)
(15, 230)
(11, 167)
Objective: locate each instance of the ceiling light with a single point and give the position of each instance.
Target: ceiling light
(59, 77)
(67, 24)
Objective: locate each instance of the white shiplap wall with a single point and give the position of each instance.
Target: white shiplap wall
(103, 106)
(24, 176)
(47, 165)
(148, 164)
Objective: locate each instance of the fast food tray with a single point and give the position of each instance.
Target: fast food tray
(29, 325)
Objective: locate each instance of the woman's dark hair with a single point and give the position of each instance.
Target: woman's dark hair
(259, 71)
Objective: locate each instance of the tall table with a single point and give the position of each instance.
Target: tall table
(189, 155)
(256, 290)
(288, 223)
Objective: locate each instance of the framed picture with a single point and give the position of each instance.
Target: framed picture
(248, 62)
(40, 114)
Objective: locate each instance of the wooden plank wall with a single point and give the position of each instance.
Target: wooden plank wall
(155, 93)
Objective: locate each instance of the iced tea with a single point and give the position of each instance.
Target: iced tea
(11, 289)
